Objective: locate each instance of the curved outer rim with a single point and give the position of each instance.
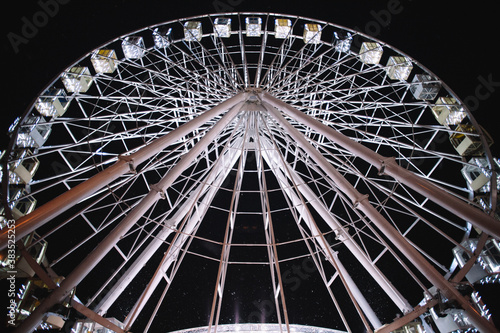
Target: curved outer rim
(268, 327)
(487, 151)
(4, 162)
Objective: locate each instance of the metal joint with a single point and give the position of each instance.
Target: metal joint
(356, 203)
(159, 190)
(253, 90)
(384, 163)
(130, 161)
(341, 234)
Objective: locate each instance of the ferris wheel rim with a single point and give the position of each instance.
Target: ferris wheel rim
(211, 16)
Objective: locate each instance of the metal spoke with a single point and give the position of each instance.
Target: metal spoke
(220, 156)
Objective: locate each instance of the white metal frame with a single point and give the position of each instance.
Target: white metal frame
(335, 136)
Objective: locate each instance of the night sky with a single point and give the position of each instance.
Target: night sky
(456, 42)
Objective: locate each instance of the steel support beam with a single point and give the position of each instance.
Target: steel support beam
(206, 187)
(156, 193)
(362, 203)
(226, 245)
(388, 166)
(358, 295)
(318, 236)
(472, 260)
(400, 322)
(191, 225)
(95, 317)
(26, 224)
(272, 251)
(40, 272)
(335, 225)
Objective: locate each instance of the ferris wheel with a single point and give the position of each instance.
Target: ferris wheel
(250, 172)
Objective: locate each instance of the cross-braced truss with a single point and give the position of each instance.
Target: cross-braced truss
(205, 180)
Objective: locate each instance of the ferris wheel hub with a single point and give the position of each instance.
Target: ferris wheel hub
(246, 126)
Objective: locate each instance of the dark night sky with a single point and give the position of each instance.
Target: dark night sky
(456, 42)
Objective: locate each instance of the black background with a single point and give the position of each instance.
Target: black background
(456, 41)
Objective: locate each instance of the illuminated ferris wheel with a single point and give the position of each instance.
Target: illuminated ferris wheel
(250, 172)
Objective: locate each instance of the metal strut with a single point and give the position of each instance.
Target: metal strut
(344, 236)
(26, 224)
(208, 188)
(365, 206)
(389, 167)
(94, 257)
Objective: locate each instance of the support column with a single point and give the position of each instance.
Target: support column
(389, 167)
(174, 251)
(341, 234)
(26, 224)
(205, 187)
(319, 238)
(362, 203)
(363, 303)
(226, 244)
(157, 191)
(272, 251)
